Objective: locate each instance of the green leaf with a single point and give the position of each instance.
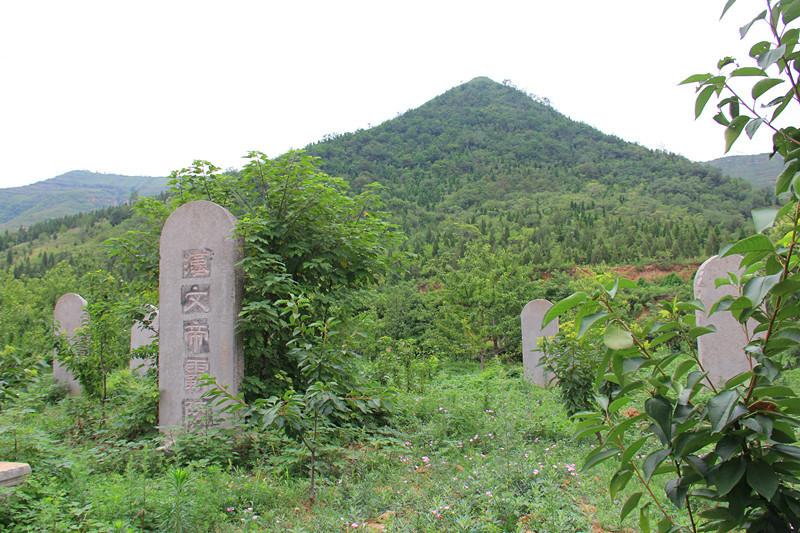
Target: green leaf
(631, 450)
(702, 100)
(763, 218)
(720, 408)
(738, 379)
(758, 287)
(788, 333)
(588, 431)
(790, 11)
(728, 5)
(652, 461)
(699, 331)
(615, 337)
(561, 307)
(618, 404)
(727, 446)
(762, 86)
(622, 427)
(785, 102)
(682, 368)
(644, 519)
(695, 78)
(790, 451)
(752, 127)
(729, 474)
(630, 504)
(785, 287)
(724, 62)
(720, 118)
(618, 482)
(735, 129)
(748, 71)
(744, 29)
(664, 337)
(676, 492)
(589, 321)
(659, 409)
(631, 364)
(773, 391)
(770, 57)
(753, 243)
(598, 456)
(785, 178)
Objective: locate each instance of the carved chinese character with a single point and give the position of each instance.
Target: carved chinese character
(195, 335)
(197, 263)
(192, 370)
(195, 411)
(195, 299)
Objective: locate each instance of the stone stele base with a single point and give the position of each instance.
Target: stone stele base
(12, 474)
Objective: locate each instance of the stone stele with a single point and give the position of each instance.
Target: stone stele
(199, 303)
(12, 474)
(721, 353)
(142, 335)
(531, 316)
(69, 314)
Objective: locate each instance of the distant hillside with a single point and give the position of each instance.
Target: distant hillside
(487, 164)
(487, 161)
(70, 193)
(759, 169)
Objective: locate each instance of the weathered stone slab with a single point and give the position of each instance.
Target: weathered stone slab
(721, 353)
(531, 316)
(70, 315)
(13, 474)
(142, 335)
(199, 303)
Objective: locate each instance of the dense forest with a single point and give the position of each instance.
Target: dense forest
(499, 197)
(485, 160)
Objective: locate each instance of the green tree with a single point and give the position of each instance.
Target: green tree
(102, 343)
(485, 295)
(303, 235)
(729, 450)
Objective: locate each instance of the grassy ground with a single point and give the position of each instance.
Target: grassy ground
(472, 452)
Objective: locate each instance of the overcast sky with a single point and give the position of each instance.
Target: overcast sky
(144, 88)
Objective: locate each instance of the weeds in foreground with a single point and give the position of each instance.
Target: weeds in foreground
(481, 451)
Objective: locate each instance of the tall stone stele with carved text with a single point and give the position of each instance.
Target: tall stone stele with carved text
(721, 353)
(531, 317)
(69, 316)
(199, 304)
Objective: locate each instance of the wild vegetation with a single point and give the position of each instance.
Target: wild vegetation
(381, 332)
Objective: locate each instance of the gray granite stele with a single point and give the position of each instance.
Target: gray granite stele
(199, 303)
(13, 474)
(531, 317)
(721, 353)
(69, 315)
(143, 335)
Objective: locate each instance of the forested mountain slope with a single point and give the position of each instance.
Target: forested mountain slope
(487, 160)
(71, 193)
(483, 163)
(758, 169)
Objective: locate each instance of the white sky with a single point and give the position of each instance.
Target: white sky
(146, 87)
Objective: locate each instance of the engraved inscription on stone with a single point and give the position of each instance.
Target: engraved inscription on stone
(197, 263)
(194, 410)
(195, 298)
(195, 335)
(192, 370)
(200, 301)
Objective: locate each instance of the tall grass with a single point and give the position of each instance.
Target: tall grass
(476, 452)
